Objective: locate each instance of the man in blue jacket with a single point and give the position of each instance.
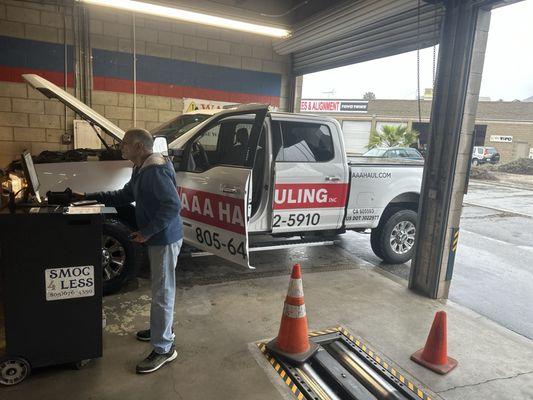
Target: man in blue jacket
(157, 210)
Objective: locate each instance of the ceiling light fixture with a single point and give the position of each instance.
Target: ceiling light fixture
(189, 16)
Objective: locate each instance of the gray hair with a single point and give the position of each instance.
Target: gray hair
(140, 135)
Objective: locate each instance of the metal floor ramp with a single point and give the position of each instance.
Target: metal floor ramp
(344, 368)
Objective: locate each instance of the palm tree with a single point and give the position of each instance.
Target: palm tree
(392, 136)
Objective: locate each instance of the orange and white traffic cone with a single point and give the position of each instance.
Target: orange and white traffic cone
(434, 355)
(293, 342)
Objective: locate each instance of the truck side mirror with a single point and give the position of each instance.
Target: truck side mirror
(161, 145)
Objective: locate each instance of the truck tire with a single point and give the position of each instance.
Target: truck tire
(394, 239)
(120, 256)
(475, 162)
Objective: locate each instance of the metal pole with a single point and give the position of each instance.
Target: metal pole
(66, 59)
(377, 385)
(317, 384)
(431, 270)
(134, 76)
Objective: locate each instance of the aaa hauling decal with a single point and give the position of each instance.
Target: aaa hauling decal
(371, 175)
(309, 195)
(221, 211)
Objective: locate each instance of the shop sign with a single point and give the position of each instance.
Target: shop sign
(202, 104)
(502, 139)
(69, 282)
(334, 106)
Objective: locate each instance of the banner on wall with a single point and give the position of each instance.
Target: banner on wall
(342, 106)
(501, 139)
(190, 105)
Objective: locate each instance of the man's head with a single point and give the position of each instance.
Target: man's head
(136, 144)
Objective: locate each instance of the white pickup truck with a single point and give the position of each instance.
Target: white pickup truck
(247, 171)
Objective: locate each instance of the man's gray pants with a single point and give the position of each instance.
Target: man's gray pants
(163, 261)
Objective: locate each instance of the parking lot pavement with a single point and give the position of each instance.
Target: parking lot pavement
(501, 197)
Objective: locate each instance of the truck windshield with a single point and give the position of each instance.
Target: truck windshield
(178, 126)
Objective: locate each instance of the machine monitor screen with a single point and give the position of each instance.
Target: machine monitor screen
(31, 174)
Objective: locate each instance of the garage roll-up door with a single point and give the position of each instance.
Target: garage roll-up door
(356, 134)
(359, 31)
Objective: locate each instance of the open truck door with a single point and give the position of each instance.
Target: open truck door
(214, 182)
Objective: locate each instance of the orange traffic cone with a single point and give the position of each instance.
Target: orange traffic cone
(434, 355)
(293, 342)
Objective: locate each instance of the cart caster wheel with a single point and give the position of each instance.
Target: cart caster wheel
(82, 363)
(13, 370)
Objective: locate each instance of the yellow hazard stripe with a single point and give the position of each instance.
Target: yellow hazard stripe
(281, 372)
(372, 354)
(379, 360)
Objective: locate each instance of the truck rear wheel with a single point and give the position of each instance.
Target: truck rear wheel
(119, 256)
(394, 239)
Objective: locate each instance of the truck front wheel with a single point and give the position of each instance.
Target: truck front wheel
(393, 240)
(119, 256)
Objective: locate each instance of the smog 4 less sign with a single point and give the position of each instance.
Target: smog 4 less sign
(69, 283)
(333, 106)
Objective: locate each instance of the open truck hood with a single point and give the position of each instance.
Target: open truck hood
(54, 92)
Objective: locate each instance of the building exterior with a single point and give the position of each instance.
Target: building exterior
(507, 126)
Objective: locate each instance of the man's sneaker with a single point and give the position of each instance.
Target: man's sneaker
(155, 361)
(144, 335)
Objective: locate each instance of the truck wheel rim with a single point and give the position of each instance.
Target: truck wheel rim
(113, 258)
(402, 238)
(13, 371)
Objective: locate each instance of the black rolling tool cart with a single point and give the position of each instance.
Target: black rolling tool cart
(51, 285)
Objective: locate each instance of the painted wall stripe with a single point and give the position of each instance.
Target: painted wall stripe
(114, 64)
(156, 76)
(15, 52)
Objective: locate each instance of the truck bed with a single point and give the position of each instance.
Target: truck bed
(360, 160)
(375, 183)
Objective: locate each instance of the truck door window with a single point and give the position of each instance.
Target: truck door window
(226, 143)
(235, 147)
(204, 150)
(305, 142)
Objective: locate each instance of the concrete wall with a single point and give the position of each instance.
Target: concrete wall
(174, 61)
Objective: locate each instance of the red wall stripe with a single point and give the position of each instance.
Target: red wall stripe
(10, 74)
(160, 89)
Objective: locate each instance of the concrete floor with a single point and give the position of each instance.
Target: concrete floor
(217, 323)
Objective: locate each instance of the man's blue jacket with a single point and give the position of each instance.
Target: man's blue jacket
(157, 205)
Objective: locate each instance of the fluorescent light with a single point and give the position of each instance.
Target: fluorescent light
(189, 16)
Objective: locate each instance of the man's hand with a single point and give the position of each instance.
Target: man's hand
(138, 237)
(78, 196)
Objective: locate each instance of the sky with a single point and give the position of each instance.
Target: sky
(507, 74)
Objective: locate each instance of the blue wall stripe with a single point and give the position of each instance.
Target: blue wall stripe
(185, 73)
(18, 53)
(24, 53)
